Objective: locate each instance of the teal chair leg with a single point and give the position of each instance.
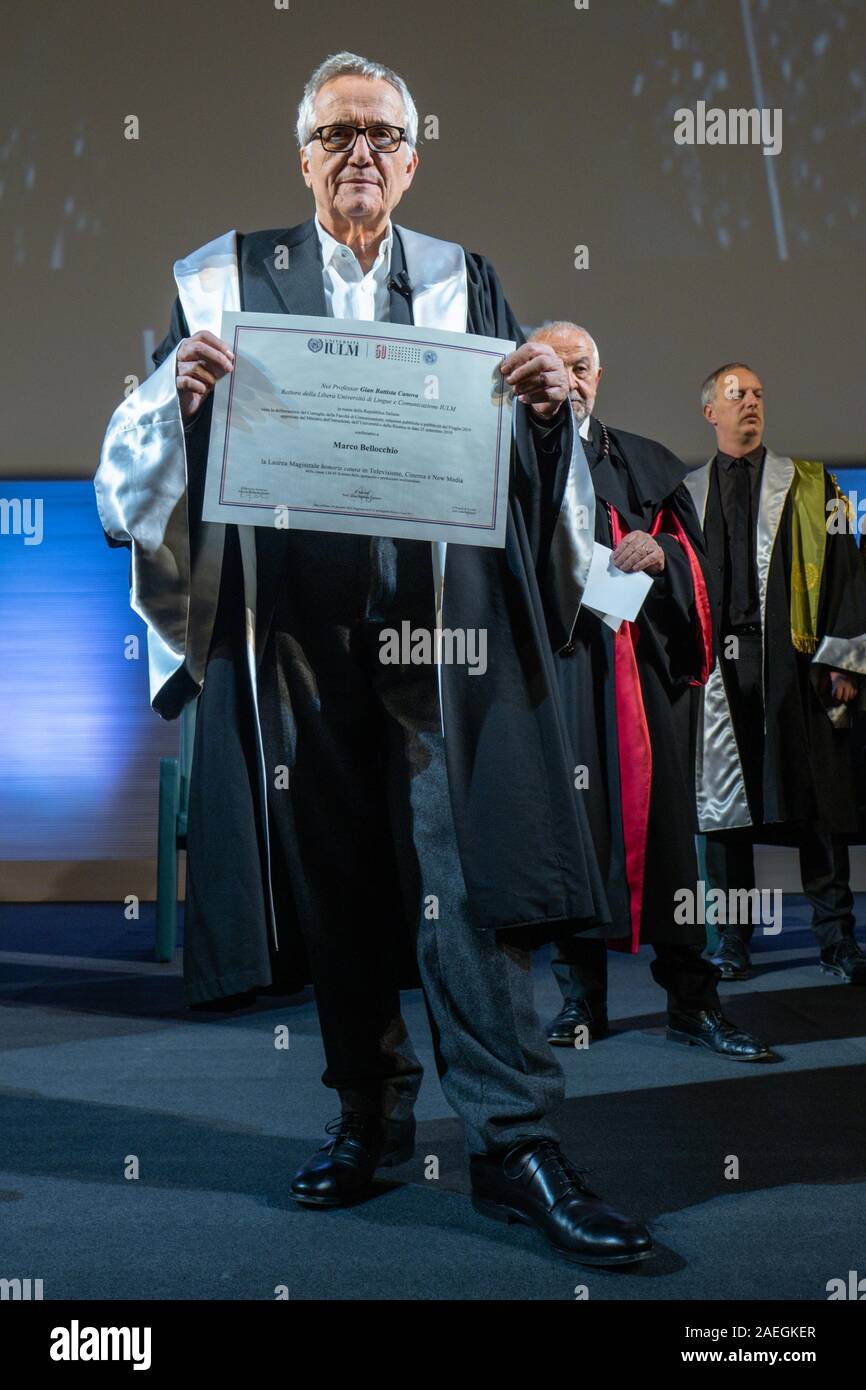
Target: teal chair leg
(166, 863)
(709, 914)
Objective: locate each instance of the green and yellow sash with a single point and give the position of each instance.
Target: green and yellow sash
(809, 543)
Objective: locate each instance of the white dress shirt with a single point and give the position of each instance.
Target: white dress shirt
(583, 431)
(349, 292)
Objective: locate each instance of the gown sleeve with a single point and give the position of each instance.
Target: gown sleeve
(841, 617)
(675, 622)
(842, 611)
(149, 487)
(178, 328)
(540, 455)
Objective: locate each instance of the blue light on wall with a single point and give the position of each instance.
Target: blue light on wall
(79, 743)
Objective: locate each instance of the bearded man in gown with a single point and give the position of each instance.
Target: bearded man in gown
(630, 694)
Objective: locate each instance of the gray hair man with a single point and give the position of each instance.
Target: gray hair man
(475, 829)
(577, 350)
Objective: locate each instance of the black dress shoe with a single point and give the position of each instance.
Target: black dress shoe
(732, 958)
(562, 1030)
(342, 1170)
(535, 1183)
(846, 961)
(709, 1028)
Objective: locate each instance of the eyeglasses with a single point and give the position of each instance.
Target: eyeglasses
(341, 139)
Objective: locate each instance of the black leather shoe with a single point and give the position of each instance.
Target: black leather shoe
(342, 1170)
(732, 958)
(577, 1014)
(710, 1028)
(535, 1183)
(846, 961)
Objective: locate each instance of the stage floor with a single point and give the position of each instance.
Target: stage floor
(100, 1063)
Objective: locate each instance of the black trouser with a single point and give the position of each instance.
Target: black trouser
(580, 967)
(824, 869)
(362, 820)
(824, 864)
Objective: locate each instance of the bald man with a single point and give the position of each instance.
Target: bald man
(629, 695)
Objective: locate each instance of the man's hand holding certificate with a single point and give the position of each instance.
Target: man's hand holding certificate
(363, 427)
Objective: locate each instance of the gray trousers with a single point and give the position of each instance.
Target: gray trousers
(495, 1065)
(365, 831)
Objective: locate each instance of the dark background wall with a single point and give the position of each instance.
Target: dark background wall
(555, 129)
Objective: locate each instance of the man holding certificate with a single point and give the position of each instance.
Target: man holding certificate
(380, 737)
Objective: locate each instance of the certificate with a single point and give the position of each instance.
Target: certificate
(360, 427)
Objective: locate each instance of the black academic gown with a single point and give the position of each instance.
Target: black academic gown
(522, 831)
(637, 745)
(809, 768)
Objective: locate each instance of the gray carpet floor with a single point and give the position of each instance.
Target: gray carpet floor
(105, 1074)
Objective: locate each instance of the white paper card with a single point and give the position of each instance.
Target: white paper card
(610, 592)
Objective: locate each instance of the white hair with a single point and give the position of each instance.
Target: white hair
(352, 65)
(565, 326)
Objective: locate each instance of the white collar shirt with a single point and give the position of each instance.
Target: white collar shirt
(350, 293)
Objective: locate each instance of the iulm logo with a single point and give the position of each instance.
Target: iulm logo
(335, 347)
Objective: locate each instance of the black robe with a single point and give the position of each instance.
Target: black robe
(522, 830)
(637, 745)
(809, 766)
